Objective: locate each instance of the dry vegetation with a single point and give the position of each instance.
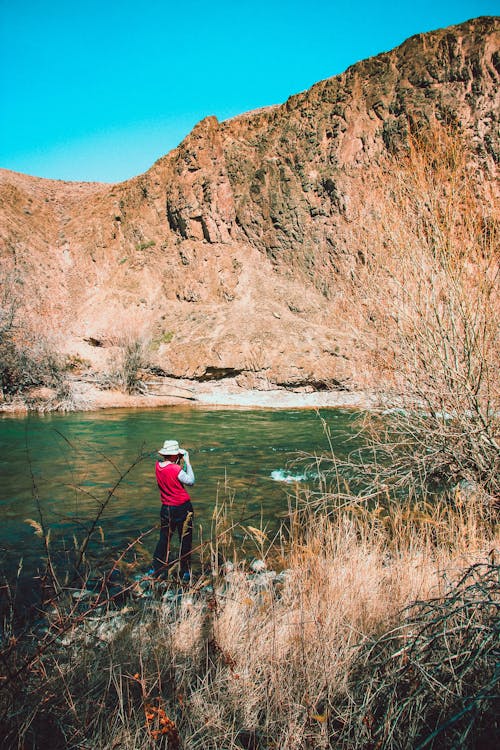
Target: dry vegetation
(128, 366)
(33, 374)
(324, 656)
(430, 311)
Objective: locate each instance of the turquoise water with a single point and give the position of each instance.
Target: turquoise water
(71, 461)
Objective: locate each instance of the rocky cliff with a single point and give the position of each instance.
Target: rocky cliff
(229, 253)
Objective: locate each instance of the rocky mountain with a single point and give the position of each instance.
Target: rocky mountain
(230, 252)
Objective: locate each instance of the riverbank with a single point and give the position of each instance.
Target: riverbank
(87, 396)
(379, 631)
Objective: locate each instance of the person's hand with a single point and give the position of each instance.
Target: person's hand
(184, 454)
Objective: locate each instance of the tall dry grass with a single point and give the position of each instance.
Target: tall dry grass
(266, 662)
(128, 364)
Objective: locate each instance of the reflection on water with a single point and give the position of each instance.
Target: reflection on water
(71, 461)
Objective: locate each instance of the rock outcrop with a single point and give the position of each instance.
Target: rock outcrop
(228, 252)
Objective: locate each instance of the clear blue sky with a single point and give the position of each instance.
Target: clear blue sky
(100, 89)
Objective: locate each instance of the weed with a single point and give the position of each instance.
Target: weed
(145, 245)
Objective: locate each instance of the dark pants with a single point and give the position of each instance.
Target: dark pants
(174, 518)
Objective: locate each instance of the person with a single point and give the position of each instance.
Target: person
(173, 473)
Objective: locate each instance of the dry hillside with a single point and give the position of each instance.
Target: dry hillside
(237, 253)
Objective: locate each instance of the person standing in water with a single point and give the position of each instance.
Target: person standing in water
(173, 474)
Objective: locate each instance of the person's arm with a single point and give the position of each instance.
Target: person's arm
(186, 474)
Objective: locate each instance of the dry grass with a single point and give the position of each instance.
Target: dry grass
(296, 663)
(32, 372)
(128, 364)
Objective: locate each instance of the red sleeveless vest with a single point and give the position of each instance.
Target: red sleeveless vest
(172, 491)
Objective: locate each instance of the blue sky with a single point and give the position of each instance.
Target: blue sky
(100, 89)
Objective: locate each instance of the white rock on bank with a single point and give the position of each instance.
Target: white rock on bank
(108, 631)
(258, 566)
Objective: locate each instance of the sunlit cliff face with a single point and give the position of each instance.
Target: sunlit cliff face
(234, 254)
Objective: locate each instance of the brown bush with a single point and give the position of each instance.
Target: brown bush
(27, 358)
(429, 279)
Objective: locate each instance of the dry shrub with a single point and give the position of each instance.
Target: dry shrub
(127, 367)
(429, 239)
(434, 679)
(31, 367)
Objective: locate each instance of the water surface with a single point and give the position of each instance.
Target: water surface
(71, 461)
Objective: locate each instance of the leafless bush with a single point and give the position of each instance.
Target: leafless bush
(28, 359)
(132, 359)
(432, 312)
(433, 680)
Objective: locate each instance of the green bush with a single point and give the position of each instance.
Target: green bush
(145, 245)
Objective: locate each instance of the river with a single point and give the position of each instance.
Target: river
(70, 461)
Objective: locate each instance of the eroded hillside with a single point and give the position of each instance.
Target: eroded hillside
(237, 254)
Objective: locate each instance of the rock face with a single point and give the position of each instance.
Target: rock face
(229, 252)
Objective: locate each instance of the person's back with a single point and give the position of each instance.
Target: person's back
(172, 491)
(176, 509)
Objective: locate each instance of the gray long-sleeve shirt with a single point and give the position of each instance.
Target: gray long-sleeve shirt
(186, 475)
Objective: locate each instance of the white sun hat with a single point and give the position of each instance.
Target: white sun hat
(170, 448)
